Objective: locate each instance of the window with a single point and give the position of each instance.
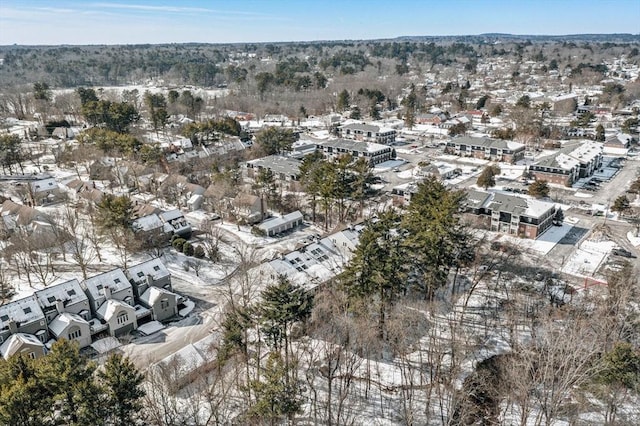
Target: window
(156, 268)
(27, 310)
(4, 318)
(140, 274)
(117, 280)
(99, 286)
(74, 333)
(71, 292)
(32, 355)
(123, 318)
(164, 304)
(51, 299)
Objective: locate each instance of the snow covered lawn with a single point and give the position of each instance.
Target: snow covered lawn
(585, 260)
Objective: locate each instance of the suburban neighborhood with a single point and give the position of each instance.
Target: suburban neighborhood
(408, 231)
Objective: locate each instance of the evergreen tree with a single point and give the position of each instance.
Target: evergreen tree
(355, 114)
(25, 399)
(344, 101)
(277, 398)
(69, 377)
(600, 137)
(114, 212)
(282, 305)
(539, 189)
(436, 239)
(487, 178)
(377, 272)
(621, 205)
(275, 140)
(122, 383)
(311, 178)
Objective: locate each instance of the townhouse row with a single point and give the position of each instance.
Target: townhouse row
(113, 303)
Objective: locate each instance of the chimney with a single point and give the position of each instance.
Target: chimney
(150, 279)
(59, 306)
(107, 292)
(13, 327)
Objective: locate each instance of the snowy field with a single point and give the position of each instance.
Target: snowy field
(584, 262)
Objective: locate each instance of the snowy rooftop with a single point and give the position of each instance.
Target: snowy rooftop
(21, 311)
(64, 320)
(114, 279)
(153, 267)
(351, 145)
(68, 292)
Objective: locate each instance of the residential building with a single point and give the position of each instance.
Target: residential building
(175, 223)
(151, 273)
(511, 214)
(486, 148)
(21, 343)
(558, 168)
(162, 303)
(16, 216)
(111, 285)
(120, 317)
(278, 225)
(67, 297)
(250, 208)
(23, 316)
(44, 191)
(283, 168)
(570, 163)
(375, 153)
(71, 327)
(367, 133)
(587, 153)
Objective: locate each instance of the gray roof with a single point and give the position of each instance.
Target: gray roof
(508, 203)
(361, 126)
(21, 311)
(171, 215)
(278, 164)
(153, 267)
(15, 342)
(114, 279)
(476, 199)
(147, 223)
(489, 143)
(279, 221)
(152, 294)
(63, 321)
(68, 292)
(351, 145)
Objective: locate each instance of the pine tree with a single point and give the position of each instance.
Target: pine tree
(122, 384)
(282, 305)
(69, 376)
(539, 189)
(600, 137)
(25, 399)
(621, 205)
(487, 177)
(344, 100)
(377, 272)
(276, 396)
(436, 239)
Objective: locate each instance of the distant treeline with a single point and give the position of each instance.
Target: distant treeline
(209, 65)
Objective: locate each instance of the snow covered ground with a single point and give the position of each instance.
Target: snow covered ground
(584, 262)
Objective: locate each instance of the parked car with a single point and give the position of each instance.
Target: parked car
(623, 253)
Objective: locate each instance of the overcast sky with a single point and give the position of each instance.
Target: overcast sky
(138, 21)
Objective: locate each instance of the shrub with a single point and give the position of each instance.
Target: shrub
(187, 248)
(198, 252)
(178, 243)
(258, 232)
